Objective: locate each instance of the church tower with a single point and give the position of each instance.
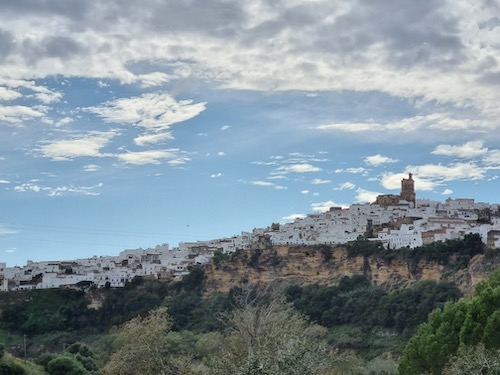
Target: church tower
(408, 190)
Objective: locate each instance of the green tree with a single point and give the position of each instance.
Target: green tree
(65, 365)
(83, 354)
(463, 324)
(10, 368)
(429, 349)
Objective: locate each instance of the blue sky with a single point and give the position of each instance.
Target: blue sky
(128, 124)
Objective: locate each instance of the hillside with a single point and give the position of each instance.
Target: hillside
(323, 264)
(367, 300)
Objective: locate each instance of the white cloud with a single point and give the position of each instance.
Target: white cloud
(225, 127)
(47, 97)
(296, 163)
(264, 163)
(27, 187)
(378, 159)
(262, 183)
(304, 192)
(429, 176)
(178, 161)
(345, 186)
(319, 181)
(91, 168)
(17, 114)
(8, 94)
(392, 181)
(268, 184)
(64, 121)
(293, 217)
(4, 182)
(153, 79)
(365, 196)
(325, 206)
(351, 127)
(216, 175)
(173, 157)
(447, 192)
(6, 231)
(435, 122)
(468, 150)
(458, 171)
(297, 168)
(10, 89)
(492, 158)
(152, 111)
(147, 139)
(220, 153)
(357, 170)
(277, 177)
(88, 145)
(59, 190)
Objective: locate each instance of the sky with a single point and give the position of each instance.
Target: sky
(128, 124)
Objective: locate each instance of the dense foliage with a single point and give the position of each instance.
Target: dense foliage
(48, 310)
(461, 324)
(355, 301)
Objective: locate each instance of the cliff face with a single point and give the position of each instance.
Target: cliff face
(325, 265)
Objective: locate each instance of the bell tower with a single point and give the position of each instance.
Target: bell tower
(408, 190)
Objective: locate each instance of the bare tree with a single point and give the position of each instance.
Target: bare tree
(265, 335)
(477, 360)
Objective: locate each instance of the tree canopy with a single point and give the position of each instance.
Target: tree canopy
(462, 324)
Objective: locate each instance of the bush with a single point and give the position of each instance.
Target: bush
(44, 359)
(219, 257)
(65, 365)
(11, 369)
(380, 366)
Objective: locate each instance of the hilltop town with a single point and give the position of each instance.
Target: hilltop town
(396, 221)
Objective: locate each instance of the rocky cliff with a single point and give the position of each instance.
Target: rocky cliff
(326, 265)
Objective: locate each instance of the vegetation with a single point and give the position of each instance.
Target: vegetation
(463, 324)
(355, 301)
(457, 252)
(48, 310)
(476, 360)
(266, 336)
(140, 347)
(349, 327)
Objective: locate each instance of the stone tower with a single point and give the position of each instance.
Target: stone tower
(408, 190)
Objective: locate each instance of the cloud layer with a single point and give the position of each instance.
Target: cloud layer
(433, 51)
